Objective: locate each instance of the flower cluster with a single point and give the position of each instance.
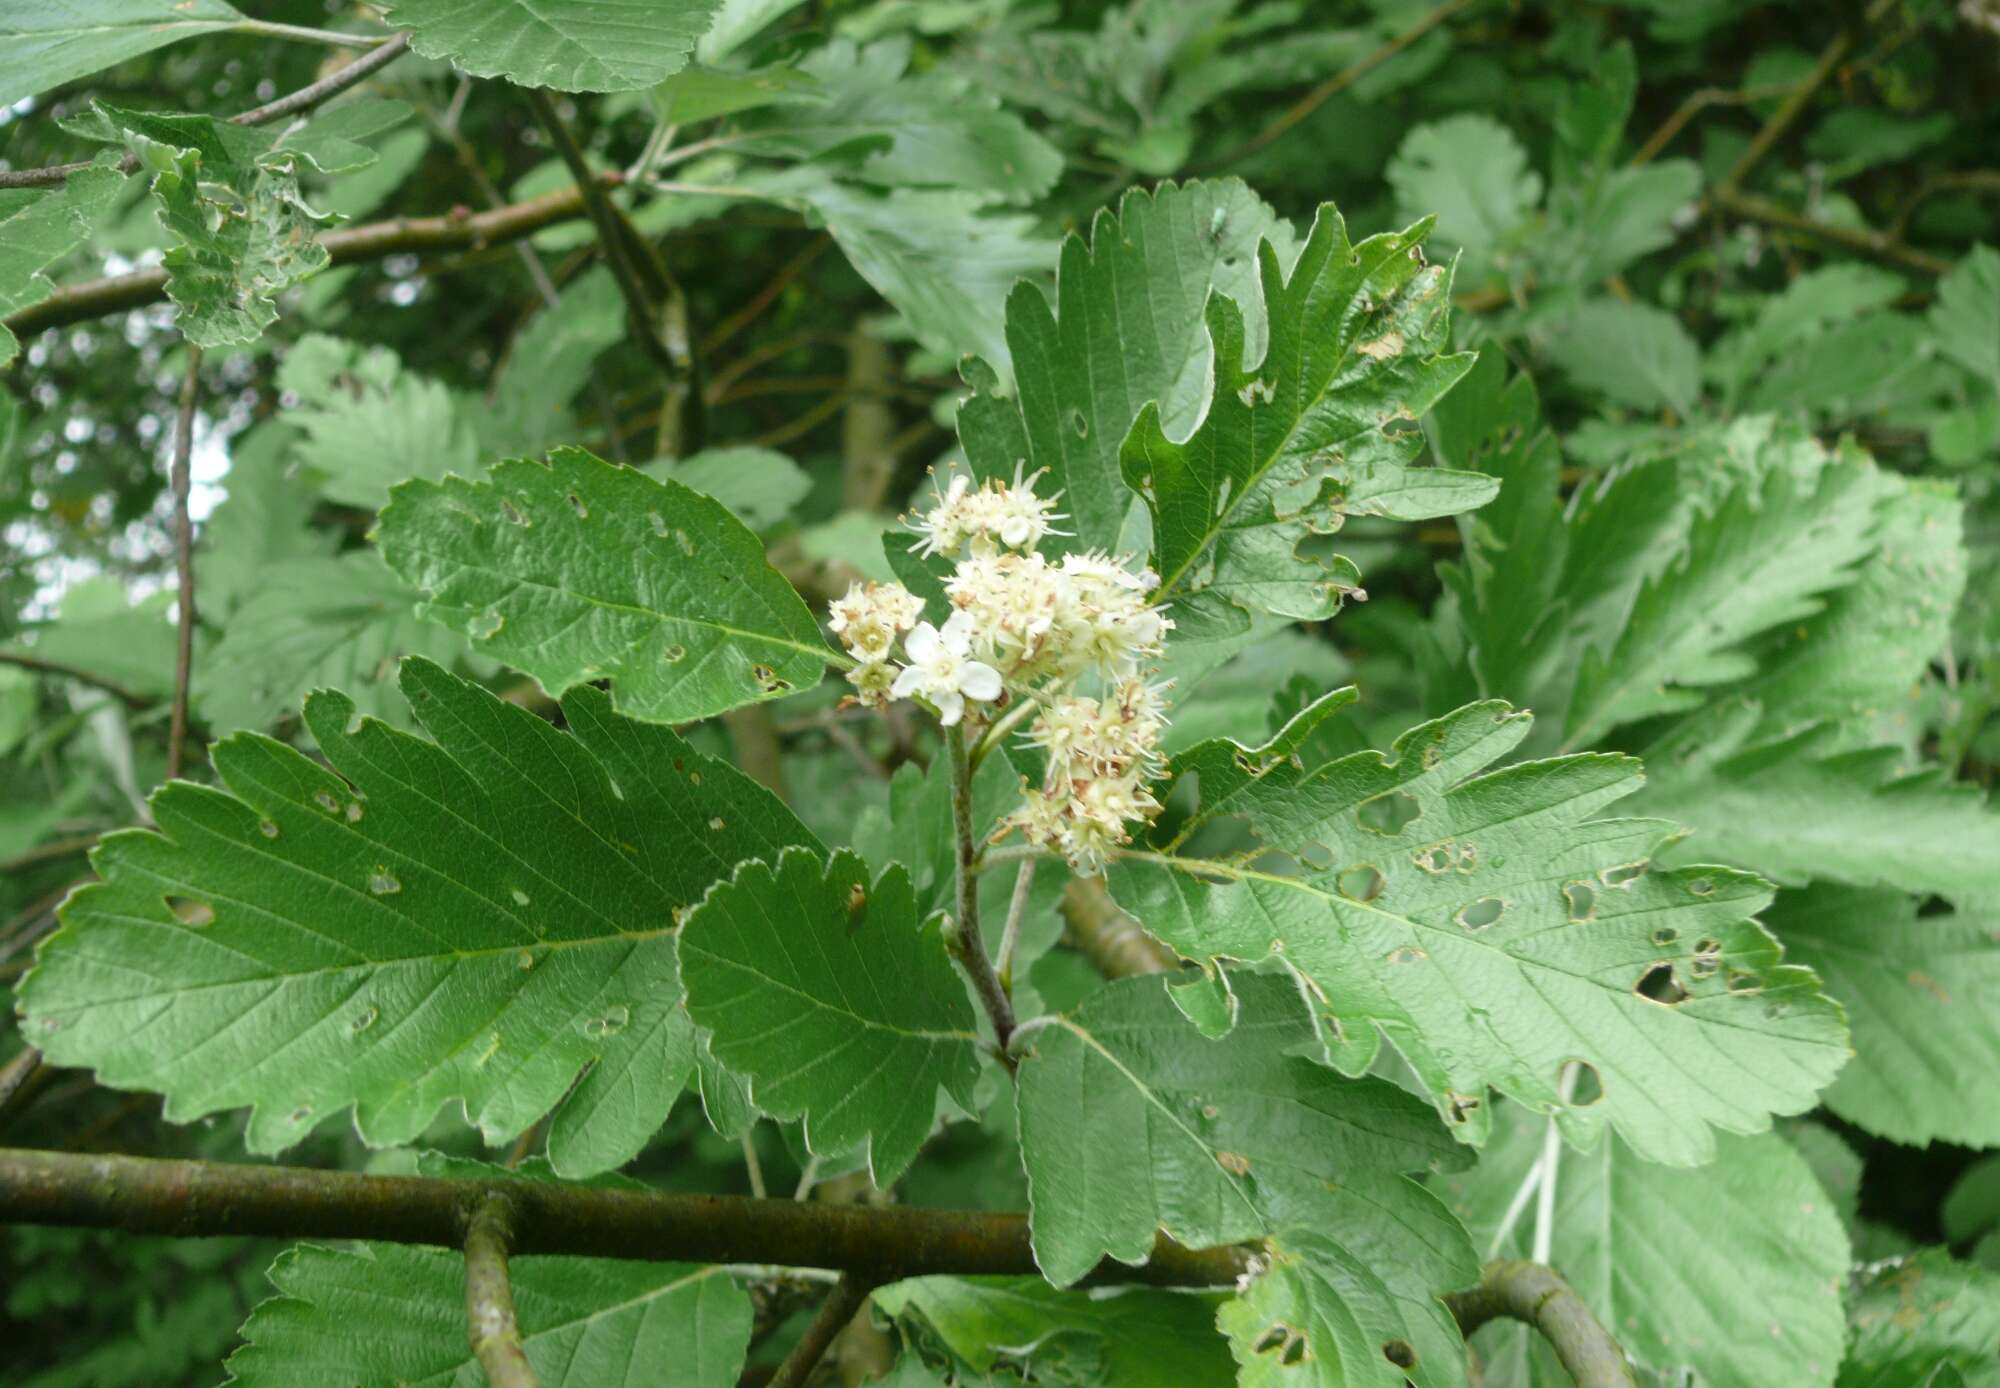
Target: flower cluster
(1023, 626)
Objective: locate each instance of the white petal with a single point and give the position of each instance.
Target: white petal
(979, 681)
(957, 633)
(908, 681)
(922, 642)
(950, 706)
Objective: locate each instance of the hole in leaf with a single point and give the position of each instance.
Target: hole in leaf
(1273, 1339)
(1294, 1352)
(1079, 423)
(1316, 856)
(1581, 900)
(1743, 981)
(1622, 876)
(1461, 1107)
(1660, 984)
(382, 882)
(1435, 857)
(1406, 954)
(1665, 935)
(577, 504)
(1701, 886)
(1481, 913)
(1588, 1087)
(514, 513)
(1387, 814)
(326, 801)
(190, 912)
(1363, 882)
(267, 829)
(1399, 1353)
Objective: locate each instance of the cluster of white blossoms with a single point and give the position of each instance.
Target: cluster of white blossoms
(1023, 627)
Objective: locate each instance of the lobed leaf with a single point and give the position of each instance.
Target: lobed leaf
(570, 45)
(482, 918)
(578, 570)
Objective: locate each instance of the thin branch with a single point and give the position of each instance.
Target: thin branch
(1335, 85)
(20, 1077)
(1874, 244)
(1695, 104)
(128, 697)
(330, 37)
(1536, 1296)
(183, 564)
(1794, 105)
(303, 99)
(350, 245)
(47, 853)
(966, 941)
(189, 1199)
(846, 1299)
(489, 1298)
(767, 295)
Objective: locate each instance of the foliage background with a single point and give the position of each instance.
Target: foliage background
(1626, 240)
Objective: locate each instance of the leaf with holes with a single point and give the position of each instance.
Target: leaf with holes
(578, 570)
(1350, 1298)
(571, 45)
(1492, 930)
(1131, 1122)
(1727, 1275)
(382, 1313)
(827, 992)
(1125, 330)
(1324, 426)
(482, 918)
(1921, 994)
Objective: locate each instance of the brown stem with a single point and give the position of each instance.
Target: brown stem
(350, 245)
(489, 1298)
(130, 698)
(1336, 84)
(304, 98)
(186, 1199)
(846, 1299)
(183, 565)
(19, 1079)
(966, 942)
(1874, 244)
(1536, 1296)
(1794, 105)
(48, 853)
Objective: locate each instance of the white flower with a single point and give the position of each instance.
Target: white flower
(993, 516)
(872, 680)
(942, 671)
(868, 618)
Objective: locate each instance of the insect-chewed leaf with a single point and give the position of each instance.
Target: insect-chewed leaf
(1492, 931)
(1323, 427)
(829, 995)
(382, 1313)
(1132, 1122)
(479, 918)
(579, 570)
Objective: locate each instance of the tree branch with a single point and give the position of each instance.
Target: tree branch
(374, 241)
(1873, 244)
(183, 564)
(196, 1199)
(1794, 105)
(489, 1298)
(19, 1079)
(302, 99)
(129, 698)
(967, 943)
(846, 1299)
(1538, 1297)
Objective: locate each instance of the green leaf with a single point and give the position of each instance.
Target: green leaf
(1491, 930)
(1727, 1275)
(1125, 330)
(1917, 1320)
(578, 570)
(1471, 174)
(368, 422)
(44, 46)
(1798, 808)
(101, 630)
(760, 485)
(1132, 1338)
(476, 919)
(700, 94)
(1808, 305)
(1624, 215)
(263, 526)
(1966, 317)
(547, 365)
(570, 45)
(1762, 556)
(1322, 429)
(1351, 1299)
(42, 230)
(1132, 1122)
(229, 200)
(895, 128)
(1635, 354)
(836, 1003)
(383, 1313)
(316, 623)
(1921, 994)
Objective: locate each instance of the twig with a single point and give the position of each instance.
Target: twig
(803, 424)
(350, 245)
(1536, 1296)
(183, 564)
(19, 1079)
(1794, 105)
(1869, 243)
(489, 1299)
(755, 1167)
(303, 99)
(848, 1296)
(130, 698)
(1695, 104)
(48, 853)
(1335, 85)
(966, 941)
(1010, 938)
(190, 1199)
(767, 295)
